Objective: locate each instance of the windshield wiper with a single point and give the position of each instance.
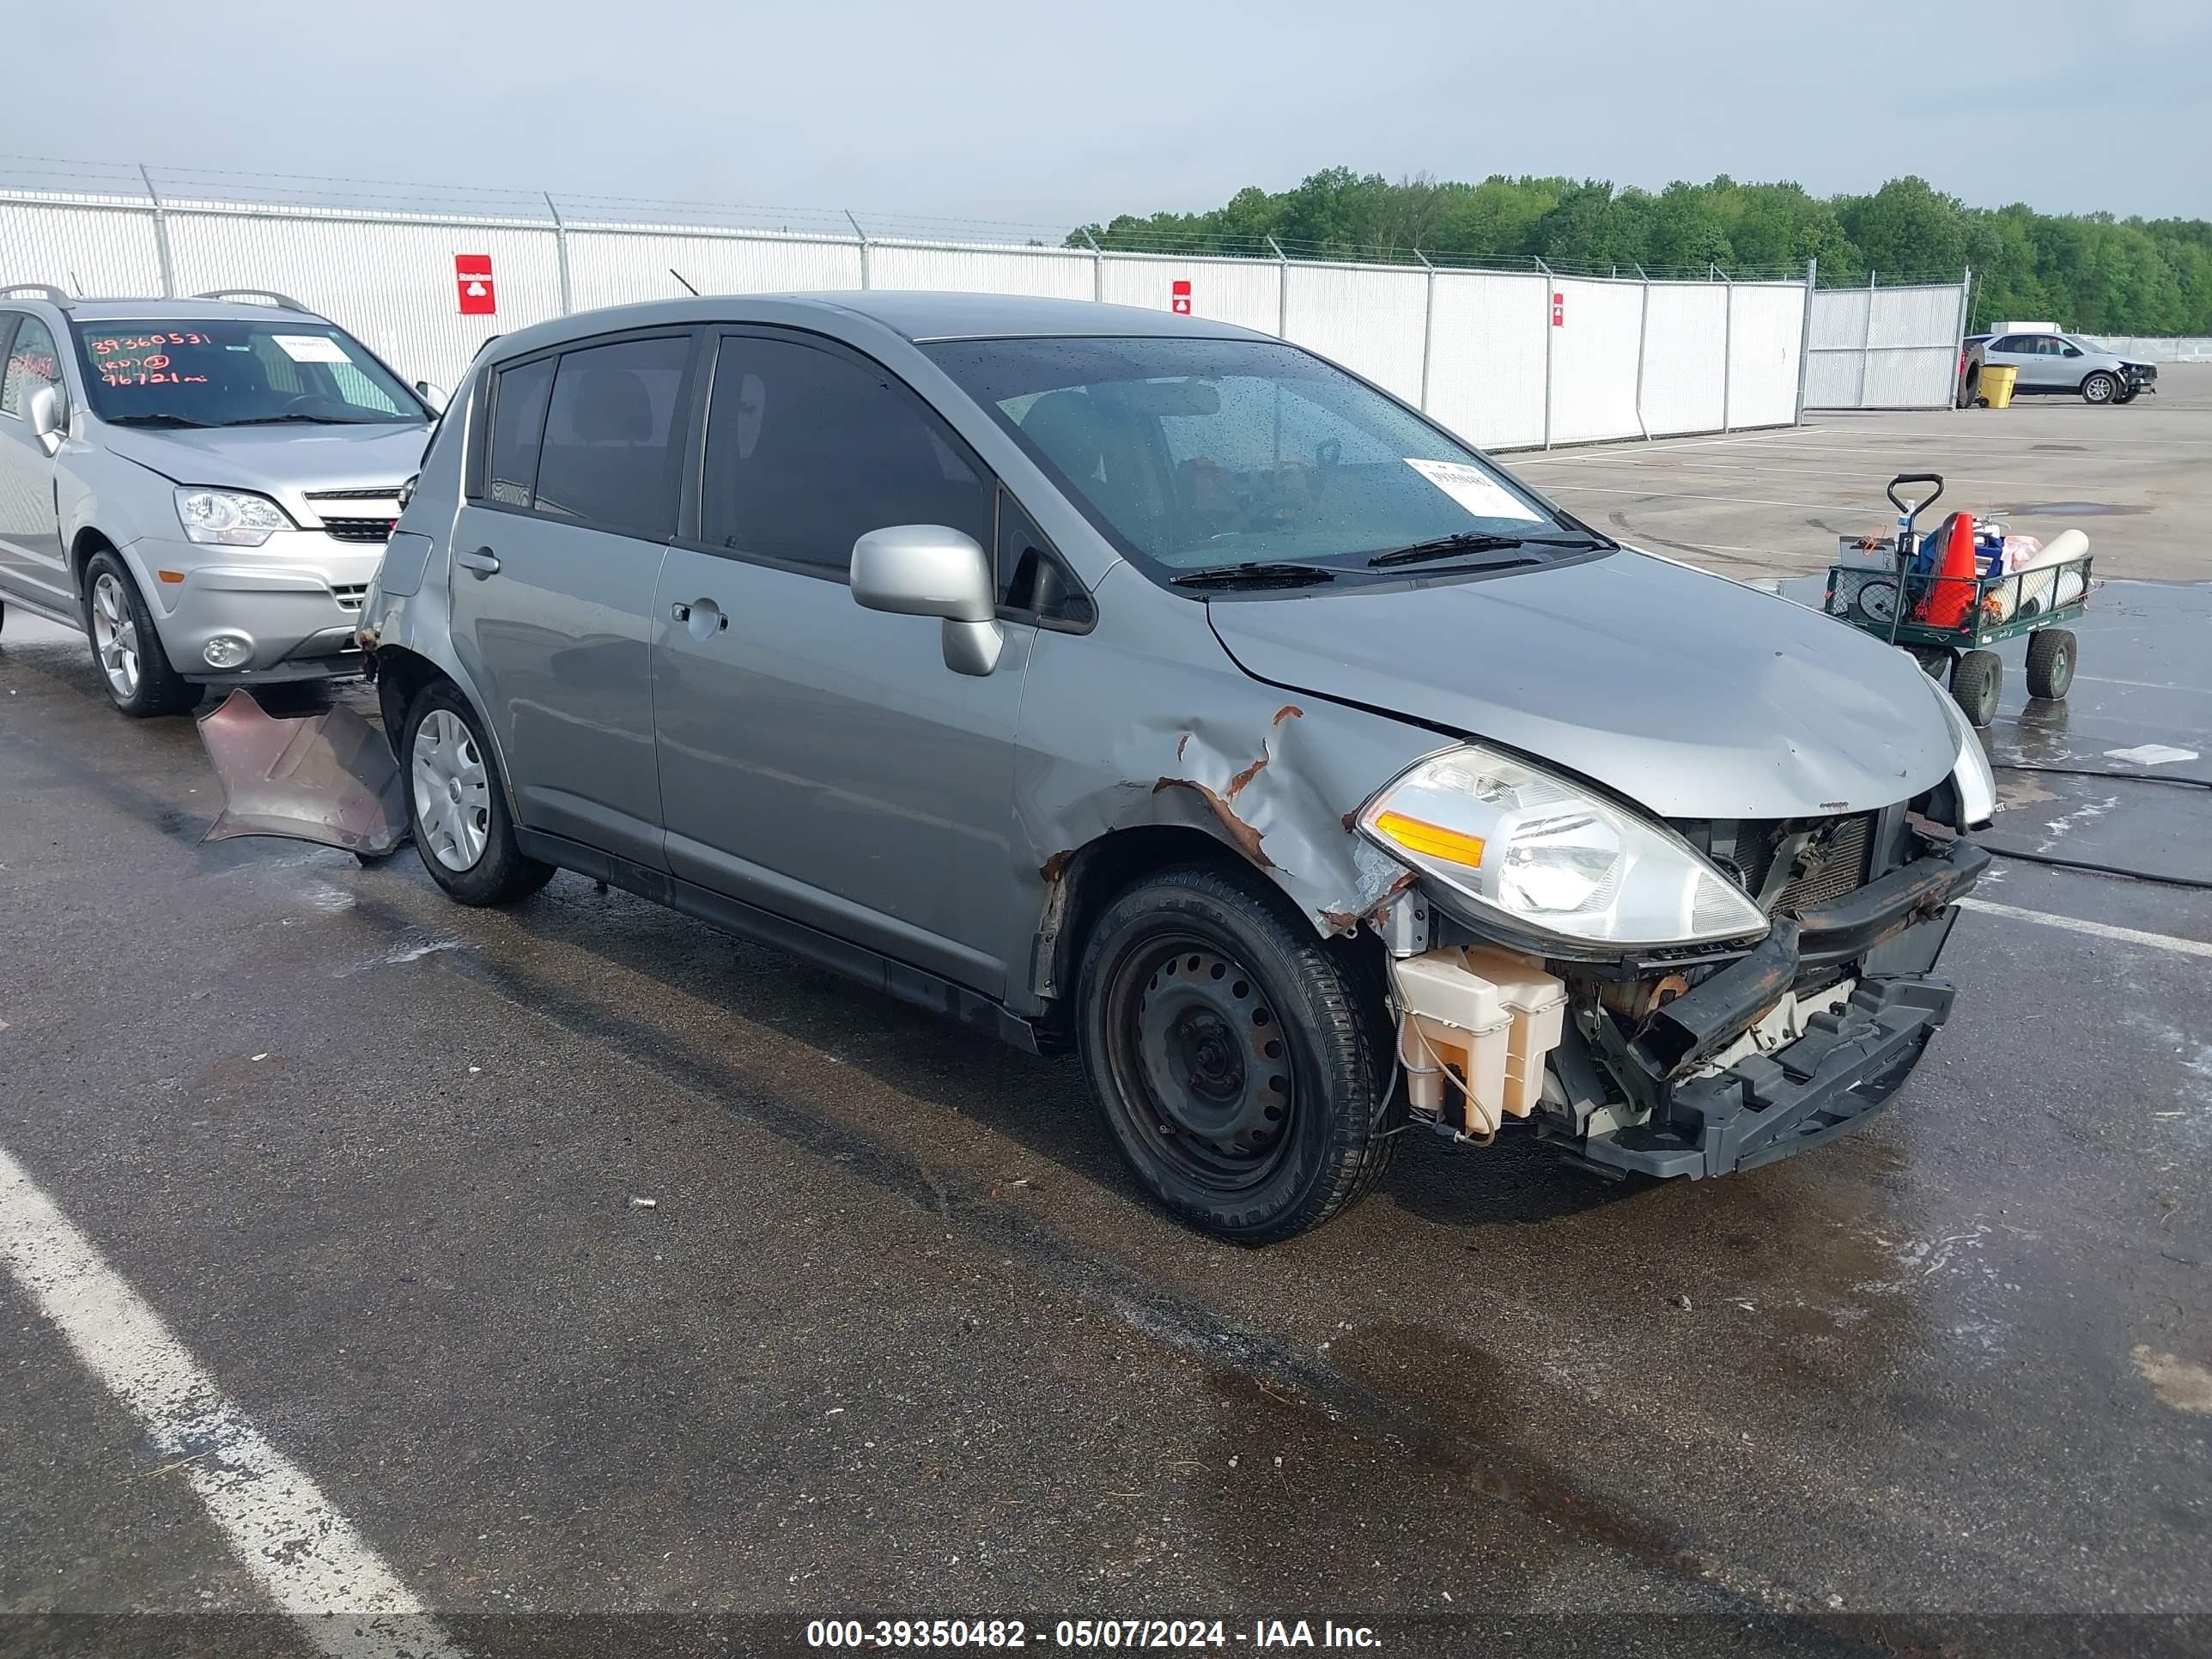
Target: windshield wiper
(153, 420)
(1470, 541)
(311, 419)
(1262, 574)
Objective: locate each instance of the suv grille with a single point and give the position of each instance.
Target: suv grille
(374, 527)
(349, 595)
(358, 530)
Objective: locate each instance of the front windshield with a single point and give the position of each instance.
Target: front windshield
(227, 372)
(1196, 454)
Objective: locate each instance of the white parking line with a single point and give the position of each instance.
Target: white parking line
(307, 1555)
(2187, 947)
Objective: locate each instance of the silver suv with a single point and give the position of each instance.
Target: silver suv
(202, 487)
(1114, 680)
(2051, 363)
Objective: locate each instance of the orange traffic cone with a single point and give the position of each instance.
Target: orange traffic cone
(1953, 595)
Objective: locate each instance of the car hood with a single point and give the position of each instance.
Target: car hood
(285, 462)
(1689, 694)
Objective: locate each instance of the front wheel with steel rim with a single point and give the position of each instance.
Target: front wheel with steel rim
(132, 663)
(457, 807)
(1232, 1056)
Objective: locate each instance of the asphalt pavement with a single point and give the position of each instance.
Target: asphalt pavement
(897, 1337)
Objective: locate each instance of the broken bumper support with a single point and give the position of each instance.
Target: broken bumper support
(1845, 1068)
(1847, 1064)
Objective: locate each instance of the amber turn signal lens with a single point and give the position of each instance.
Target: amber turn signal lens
(1419, 836)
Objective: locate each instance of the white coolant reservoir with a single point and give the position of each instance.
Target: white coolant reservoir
(1480, 1022)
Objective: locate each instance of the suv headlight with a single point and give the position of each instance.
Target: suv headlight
(229, 517)
(1970, 773)
(1547, 856)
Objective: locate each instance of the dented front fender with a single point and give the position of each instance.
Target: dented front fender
(1146, 721)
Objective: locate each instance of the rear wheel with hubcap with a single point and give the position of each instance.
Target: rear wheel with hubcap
(132, 664)
(1230, 1055)
(457, 807)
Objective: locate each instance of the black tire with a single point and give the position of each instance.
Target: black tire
(1970, 393)
(2051, 657)
(2127, 395)
(158, 689)
(499, 873)
(1193, 984)
(1977, 682)
(1935, 660)
(2099, 387)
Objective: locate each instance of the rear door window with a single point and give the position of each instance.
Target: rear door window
(518, 422)
(612, 451)
(809, 449)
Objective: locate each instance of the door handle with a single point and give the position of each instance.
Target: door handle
(707, 609)
(484, 561)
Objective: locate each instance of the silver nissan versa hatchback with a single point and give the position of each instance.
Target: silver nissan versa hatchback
(202, 486)
(1118, 681)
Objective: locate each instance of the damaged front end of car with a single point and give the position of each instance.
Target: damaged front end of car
(1662, 998)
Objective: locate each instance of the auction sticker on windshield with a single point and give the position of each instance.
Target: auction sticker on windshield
(139, 359)
(311, 348)
(1474, 490)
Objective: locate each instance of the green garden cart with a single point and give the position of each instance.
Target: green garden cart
(1880, 586)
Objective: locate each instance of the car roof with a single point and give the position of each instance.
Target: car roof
(172, 311)
(920, 318)
(932, 316)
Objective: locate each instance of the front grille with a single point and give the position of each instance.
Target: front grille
(358, 527)
(358, 530)
(349, 595)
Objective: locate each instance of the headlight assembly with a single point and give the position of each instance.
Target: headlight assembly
(229, 517)
(1546, 856)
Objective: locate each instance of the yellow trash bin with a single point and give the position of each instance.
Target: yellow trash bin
(1996, 385)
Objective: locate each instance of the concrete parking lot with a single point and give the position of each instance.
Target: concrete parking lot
(1772, 503)
(897, 1339)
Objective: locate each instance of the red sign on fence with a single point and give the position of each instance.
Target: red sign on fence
(1559, 309)
(472, 277)
(1179, 298)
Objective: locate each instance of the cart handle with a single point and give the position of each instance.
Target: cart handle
(1917, 508)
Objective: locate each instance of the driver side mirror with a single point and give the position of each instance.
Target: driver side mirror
(42, 412)
(433, 394)
(932, 570)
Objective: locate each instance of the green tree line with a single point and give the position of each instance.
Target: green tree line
(2088, 271)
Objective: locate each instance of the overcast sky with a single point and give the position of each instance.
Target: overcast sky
(1060, 112)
